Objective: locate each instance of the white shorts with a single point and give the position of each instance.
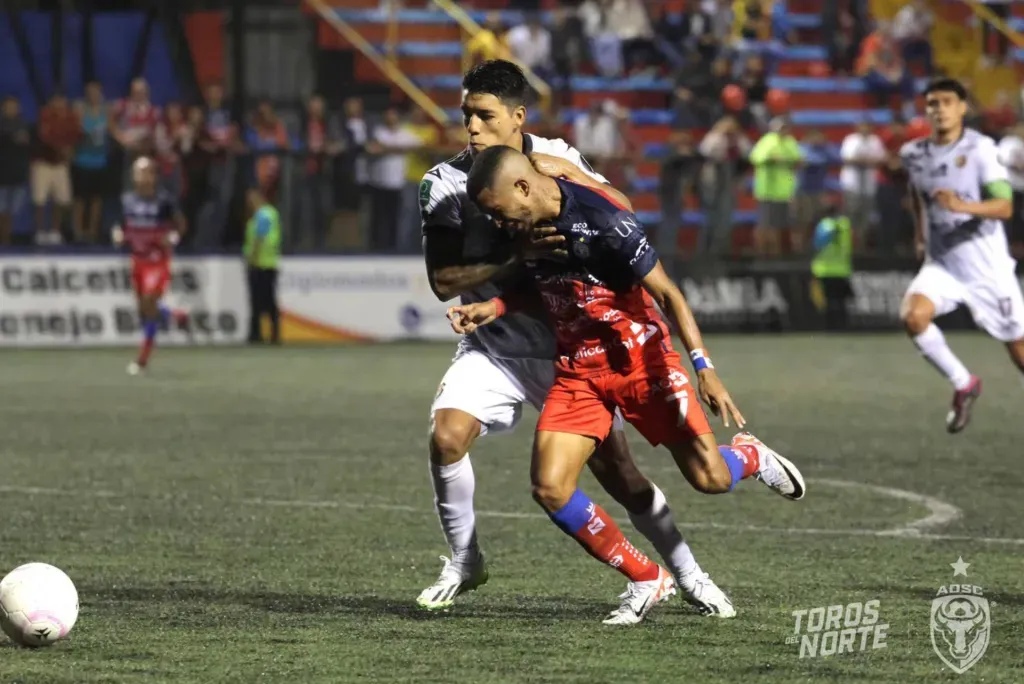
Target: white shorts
(50, 180)
(996, 304)
(494, 390)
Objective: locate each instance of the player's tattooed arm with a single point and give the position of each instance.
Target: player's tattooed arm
(998, 202)
(917, 211)
(451, 274)
(557, 167)
(667, 296)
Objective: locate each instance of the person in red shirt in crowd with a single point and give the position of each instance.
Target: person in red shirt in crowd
(59, 132)
(134, 120)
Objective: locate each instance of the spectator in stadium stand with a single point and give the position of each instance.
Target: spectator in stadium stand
(353, 172)
(724, 149)
(1001, 115)
(895, 234)
(844, 33)
(696, 93)
(862, 153)
(417, 163)
(530, 45)
(262, 252)
(680, 168)
(775, 157)
(93, 175)
(884, 72)
(912, 27)
(219, 141)
(390, 146)
(15, 150)
(620, 32)
(133, 125)
(197, 148)
(266, 136)
(1011, 154)
(994, 42)
(596, 133)
(168, 149)
(832, 265)
(568, 51)
(754, 80)
(59, 132)
(486, 44)
(321, 138)
(810, 200)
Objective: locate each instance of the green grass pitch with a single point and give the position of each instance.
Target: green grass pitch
(247, 515)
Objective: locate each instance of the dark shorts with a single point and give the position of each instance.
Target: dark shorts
(88, 183)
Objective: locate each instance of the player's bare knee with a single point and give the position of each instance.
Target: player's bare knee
(551, 495)
(450, 437)
(917, 316)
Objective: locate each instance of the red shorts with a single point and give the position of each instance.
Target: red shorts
(657, 399)
(150, 277)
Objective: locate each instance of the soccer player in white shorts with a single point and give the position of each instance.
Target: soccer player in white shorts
(961, 196)
(497, 371)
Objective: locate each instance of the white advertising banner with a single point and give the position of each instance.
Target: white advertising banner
(88, 300)
(325, 299)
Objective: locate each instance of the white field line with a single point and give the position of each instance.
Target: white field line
(939, 513)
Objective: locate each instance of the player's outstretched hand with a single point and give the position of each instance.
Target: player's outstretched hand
(466, 318)
(542, 242)
(714, 394)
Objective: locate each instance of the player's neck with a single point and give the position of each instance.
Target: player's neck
(550, 199)
(947, 137)
(517, 143)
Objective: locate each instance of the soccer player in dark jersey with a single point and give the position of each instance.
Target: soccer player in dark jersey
(151, 225)
(614, 351)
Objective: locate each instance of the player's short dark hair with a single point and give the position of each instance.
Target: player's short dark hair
(946, 85)
(486, 165)
(500, 78)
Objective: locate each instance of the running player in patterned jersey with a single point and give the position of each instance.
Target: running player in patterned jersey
(151, 225)
(961, 195)
(614, 351)
(498, 369)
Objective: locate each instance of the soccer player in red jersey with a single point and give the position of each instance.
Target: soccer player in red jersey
(614, 350)
(151, 225)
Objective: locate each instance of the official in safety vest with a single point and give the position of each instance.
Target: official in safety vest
(262, 251)
(832, 265)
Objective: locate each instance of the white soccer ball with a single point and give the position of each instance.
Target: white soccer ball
(38, 604)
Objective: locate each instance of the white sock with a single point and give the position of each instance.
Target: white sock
(932, 344)
(453, 500)
(659, 527)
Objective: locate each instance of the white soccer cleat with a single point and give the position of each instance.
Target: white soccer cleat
(776, 471)
(134, 368)
(700, 591)
(640, 597)
(453, 581)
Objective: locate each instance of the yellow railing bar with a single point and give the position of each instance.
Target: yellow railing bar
(987, 15)
(472, 28)
(390, 70)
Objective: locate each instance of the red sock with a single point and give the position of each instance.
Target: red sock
(180, 316)
(603, 540)
(751, 459)
(145, 350)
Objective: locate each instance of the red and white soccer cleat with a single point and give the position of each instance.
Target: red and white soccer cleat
(640, 597)
(963, 401)
(776, 471)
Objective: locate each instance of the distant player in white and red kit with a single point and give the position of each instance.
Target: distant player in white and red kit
(151, 225)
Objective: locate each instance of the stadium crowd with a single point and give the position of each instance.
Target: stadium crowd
(347, 179)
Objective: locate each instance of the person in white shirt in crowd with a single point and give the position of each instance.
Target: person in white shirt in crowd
(620, 32)
(912, 27)
(723, 148)
(390, 145)
(596, 133)
(1011, 155)
(862, 153)
(530, 45)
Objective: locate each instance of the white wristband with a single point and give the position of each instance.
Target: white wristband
(700, 360)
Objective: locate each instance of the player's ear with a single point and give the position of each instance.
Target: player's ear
(519, 115)
(523, 186)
